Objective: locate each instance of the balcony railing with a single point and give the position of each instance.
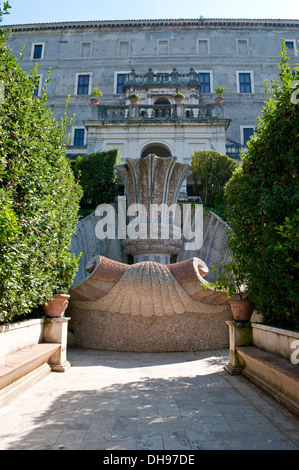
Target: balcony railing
(154, 113)
(162, 78)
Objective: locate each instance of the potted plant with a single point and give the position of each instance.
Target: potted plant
(219, 92)
(134, 98)
(179, 97)
(95, 93)
(232, 281)
(64, 270)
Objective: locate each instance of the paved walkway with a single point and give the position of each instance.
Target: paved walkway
(133, 401)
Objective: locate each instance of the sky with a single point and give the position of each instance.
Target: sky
(39, 11)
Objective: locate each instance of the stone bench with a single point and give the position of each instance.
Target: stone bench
(24, 368)
(275, 375)
(29, 350)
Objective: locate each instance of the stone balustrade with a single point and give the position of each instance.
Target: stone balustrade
(162, 78)
(159, 112)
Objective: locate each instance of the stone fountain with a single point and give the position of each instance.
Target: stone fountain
(149, 182)
(153, 304)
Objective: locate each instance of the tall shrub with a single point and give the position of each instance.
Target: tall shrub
(263, 204)
(211, 171)
(39, 198)
(97, 176)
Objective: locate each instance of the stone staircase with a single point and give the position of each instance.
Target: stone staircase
(273, 374)
(29, 350)
(25, 367)
(258, 359)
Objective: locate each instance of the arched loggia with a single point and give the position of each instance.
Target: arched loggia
(156, 149)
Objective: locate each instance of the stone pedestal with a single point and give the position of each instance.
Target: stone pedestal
(240, 334)
(156, 249)
(55, 331)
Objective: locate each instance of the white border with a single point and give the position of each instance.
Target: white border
(118, 72)
(39, 91)
(294, 43)
(208, 43)
(248, 126)
(43, 44)
(89, 85)
(74, 128)
(237, 46)
(129, 47)
(158, 47)
(81, 48)
(251, 81)
(211, 79)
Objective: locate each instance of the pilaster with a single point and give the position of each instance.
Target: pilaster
(240, 334)
(55, 331)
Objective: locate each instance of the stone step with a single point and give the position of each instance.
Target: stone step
(275, 375)
(22, 368)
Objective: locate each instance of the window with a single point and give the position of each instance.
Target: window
(79, 137)
(85, 49)
(245, 85)
(242, 46)
(163, 47)
(203, 47)
(124, 49)
(83, 85)
(37, 89)
(205, 82)
(291, 46)
(37, 51)
(246, 133)
(120, 82)
(162, 77)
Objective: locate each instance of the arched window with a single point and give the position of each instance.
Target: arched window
(156, 149)
(162, 108)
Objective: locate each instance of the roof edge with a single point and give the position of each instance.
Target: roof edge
(178, 21)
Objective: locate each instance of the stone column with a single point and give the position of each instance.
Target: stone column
(240, 334)
(55, 331)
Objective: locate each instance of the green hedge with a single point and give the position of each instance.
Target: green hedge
(39, 197)
(263, 206)
(97, 177)
(211, 171)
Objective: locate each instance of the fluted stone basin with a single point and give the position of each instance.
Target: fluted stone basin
(148, 307)
(151, 305)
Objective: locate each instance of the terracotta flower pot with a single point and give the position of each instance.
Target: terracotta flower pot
(134, 100)
(95, 101)
(56, 306)
(179, 100)
(241, 309)
(219, 99)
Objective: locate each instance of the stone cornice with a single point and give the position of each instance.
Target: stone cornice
(195, 22)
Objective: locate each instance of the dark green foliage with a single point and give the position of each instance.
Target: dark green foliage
(211, 171)
(97, 176)
(39, 198)
(263, 205)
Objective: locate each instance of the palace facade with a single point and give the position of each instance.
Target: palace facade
(157, 59)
